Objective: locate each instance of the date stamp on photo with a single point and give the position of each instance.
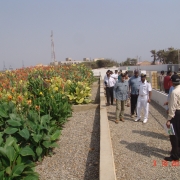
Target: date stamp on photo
(166, 163)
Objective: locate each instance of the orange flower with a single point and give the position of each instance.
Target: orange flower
(19, 98)
(29, 102)
(37, 108)
(9, 97)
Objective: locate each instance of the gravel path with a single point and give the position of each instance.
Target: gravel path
(138, 146)
(78, 154)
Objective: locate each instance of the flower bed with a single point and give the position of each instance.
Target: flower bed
(34, 104)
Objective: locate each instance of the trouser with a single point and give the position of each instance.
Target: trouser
(134, 98)
(119, 109)
(109, 94)
(167, 91)
(161, 86)
(175, 139)
(142, 104)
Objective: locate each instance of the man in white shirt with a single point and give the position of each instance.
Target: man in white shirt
(109, 84)
(144, 98)
(115, 75)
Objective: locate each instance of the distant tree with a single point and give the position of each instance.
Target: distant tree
(154, 55)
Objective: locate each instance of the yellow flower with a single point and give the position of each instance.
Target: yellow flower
(40, 93)
(56, 88)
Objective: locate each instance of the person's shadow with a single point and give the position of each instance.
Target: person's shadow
(142, 148)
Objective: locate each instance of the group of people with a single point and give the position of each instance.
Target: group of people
(165, 81)
(119, 87)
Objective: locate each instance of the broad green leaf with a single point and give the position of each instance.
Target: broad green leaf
(39, 150)
(10, 130)
(31, 177)
(55, 135)
(24, 133)
(12, 116)
(27, 151)
(14, 123)
(10, 153)
(8, 170)
(3, 113)
(18, 169)
(45, 119)
(37, 137)
(3, 151)
(47, 144)
(2, 175)
(1, 139)
(9, 141)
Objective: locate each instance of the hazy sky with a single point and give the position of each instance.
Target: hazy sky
(114, 29)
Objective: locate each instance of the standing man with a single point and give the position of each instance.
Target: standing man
(120, 96)
(144, 98)
(109, 84)
(167, 82)
(134, 91)
(161, 81)
(115, 75)
(174, 119)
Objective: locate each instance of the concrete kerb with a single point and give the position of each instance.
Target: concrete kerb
(107, 167)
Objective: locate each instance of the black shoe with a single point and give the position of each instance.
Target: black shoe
(170, 159)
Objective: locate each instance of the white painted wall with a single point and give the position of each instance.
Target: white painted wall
(159, 97)
(162, 67)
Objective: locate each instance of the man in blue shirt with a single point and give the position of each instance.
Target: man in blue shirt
(134, 91)
(120, 96)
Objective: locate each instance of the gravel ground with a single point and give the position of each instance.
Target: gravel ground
(79, 146)
(137, 146)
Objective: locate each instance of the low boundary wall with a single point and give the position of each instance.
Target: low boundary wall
(107, 167)
(159, 97)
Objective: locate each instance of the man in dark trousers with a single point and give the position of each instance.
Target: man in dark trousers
(174, 119)
(109, 84)
(134, 91)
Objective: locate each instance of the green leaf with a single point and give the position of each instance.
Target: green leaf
(1, 139)
(55, 135)
(8, 170)
(31, 177)
(39, 150)
(1, 174)
(27, 151)
(3, 113)
(47, 144)
(45, 119)
(12, 116)
(9, 141)
(80, 101)
(37, 137)
(10, 130)
(17, 170)
(10, 152)
(3, 151)
(24, 133)
(14, 123)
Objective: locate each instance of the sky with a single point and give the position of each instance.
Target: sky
(113, 29)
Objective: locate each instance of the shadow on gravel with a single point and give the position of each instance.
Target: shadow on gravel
(92, 163)
(151, 134)
(142, 148)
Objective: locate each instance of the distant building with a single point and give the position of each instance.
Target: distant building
(96, 59)
(144, 63)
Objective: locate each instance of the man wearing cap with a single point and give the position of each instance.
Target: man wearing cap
(144, 98)
(120, 96)
(134, 91)
(174, 119)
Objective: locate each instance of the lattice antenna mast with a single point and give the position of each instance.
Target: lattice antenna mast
(4, 68)
(53, 57)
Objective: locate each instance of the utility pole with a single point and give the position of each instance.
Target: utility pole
(53, 57)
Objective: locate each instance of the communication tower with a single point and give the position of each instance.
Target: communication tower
(53, 57)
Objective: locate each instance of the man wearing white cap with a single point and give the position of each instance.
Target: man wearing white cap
(144, 98)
